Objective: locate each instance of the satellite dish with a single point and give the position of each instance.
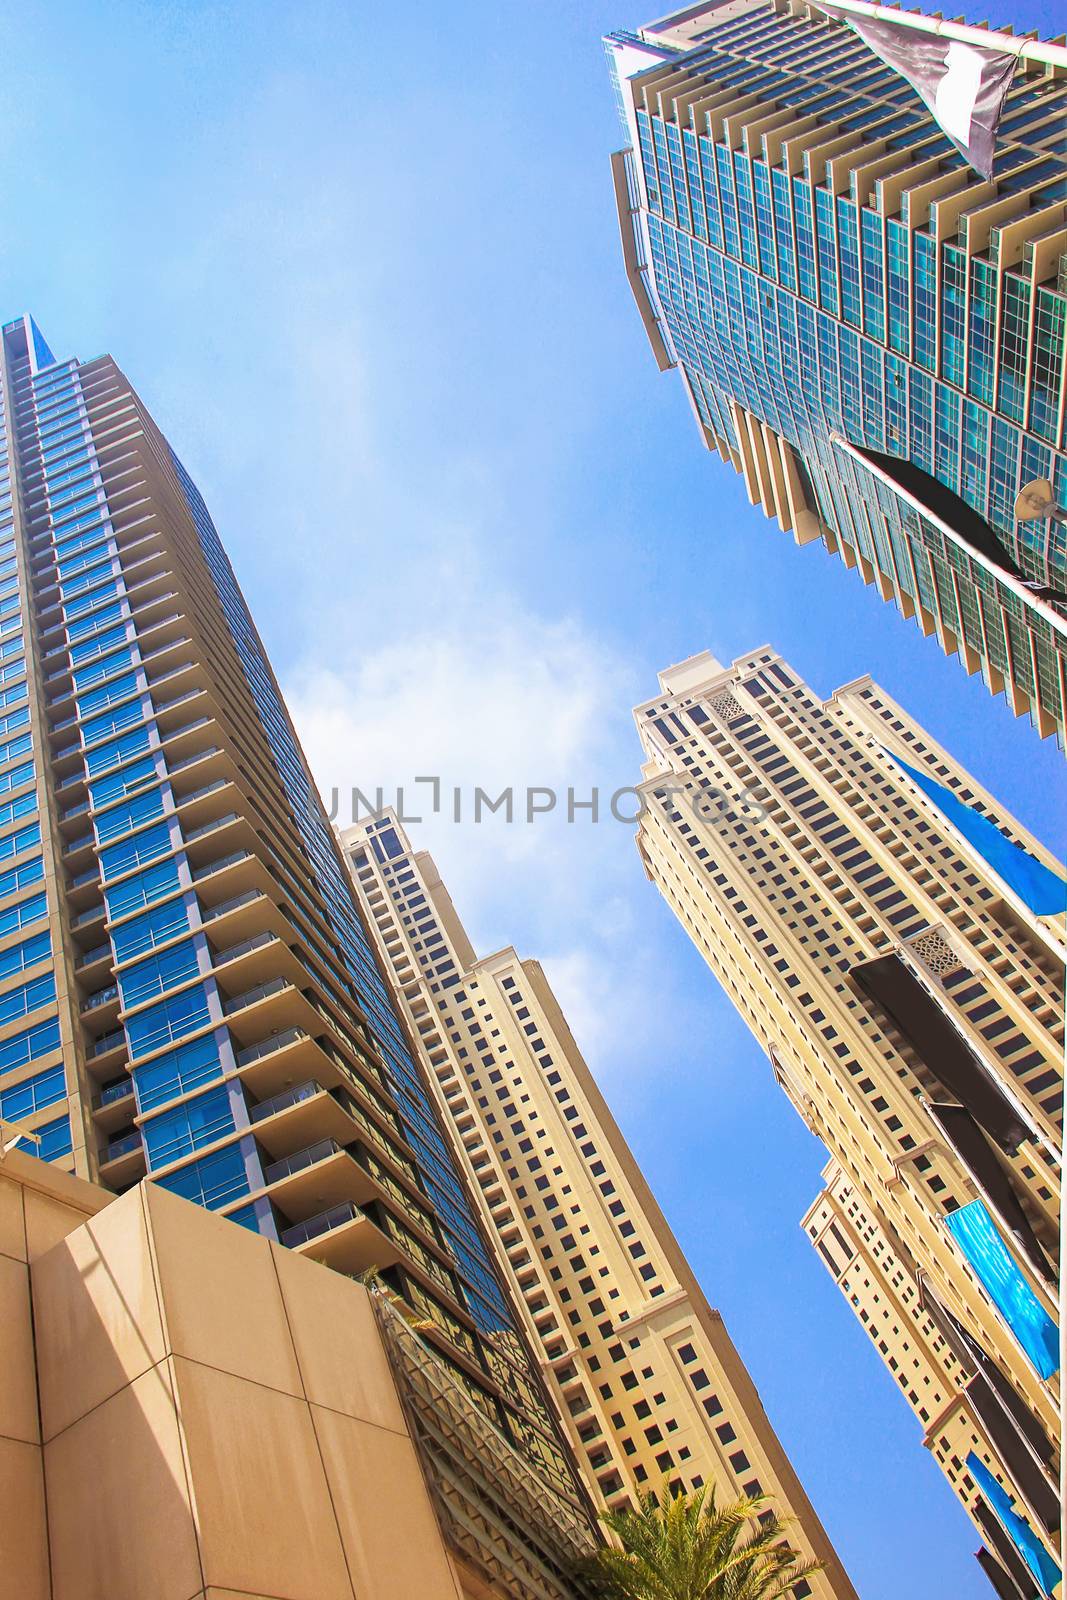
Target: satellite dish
(1036, 500)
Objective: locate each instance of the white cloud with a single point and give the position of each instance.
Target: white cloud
(496, 696)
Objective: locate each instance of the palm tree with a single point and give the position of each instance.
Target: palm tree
(687, 1547)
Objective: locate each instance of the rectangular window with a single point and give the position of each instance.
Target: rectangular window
(33, 1095)
(53, 1140)
(134, 893)
(159, 973)
(177, 1072)
(27, 954)
(170, 1020)
(212, 1181)
(136, 851)
(154, 928)
(177, 1133)
(28, 1045)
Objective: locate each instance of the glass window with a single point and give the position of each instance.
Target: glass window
(177, 1072)
(195, 1123)
(34, 1095)
(212, 1181)
(28, 1045)
(174, 1017)
(134, 893)
(155, 927)
(53, 1140)
(159, 973)
(27, 954)
(136, 851)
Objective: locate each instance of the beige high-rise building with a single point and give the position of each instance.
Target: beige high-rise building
(645, 1375)
(910, 1002)
(958, 1400)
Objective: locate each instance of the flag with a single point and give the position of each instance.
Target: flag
(962, 84)
(1043, 890)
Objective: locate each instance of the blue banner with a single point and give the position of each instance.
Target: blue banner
(1019, 1531)
(1034, 883)
(976, 1235)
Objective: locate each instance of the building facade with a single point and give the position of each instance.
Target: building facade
(267, 1438)
(867, 331)
(187, 991)
(910, 1003)
(644, 1373)
(958, 1401)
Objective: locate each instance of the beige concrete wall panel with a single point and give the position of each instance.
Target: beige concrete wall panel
(97, 1313)
(263, 1512)
(12, 1220)
(342, 1361)
(25, 1533)
(390, 1533)
(120, 1522)
(18, 1378)
(221, 1301)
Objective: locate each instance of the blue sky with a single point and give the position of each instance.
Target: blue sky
(364, 268)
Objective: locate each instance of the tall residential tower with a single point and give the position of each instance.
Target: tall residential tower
(187, 990)
(867, 907)
(869, 332)
(643, 1371)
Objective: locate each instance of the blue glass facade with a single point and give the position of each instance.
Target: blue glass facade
(822, 258)
(187, 991)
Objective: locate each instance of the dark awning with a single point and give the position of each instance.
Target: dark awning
(973, 1149)
(948, 507)
(1014, 1432)
(1003, 1583)
(1007, 1555)
(926, 1027)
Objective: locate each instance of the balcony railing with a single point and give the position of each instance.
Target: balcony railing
(106, 1042)
(223, 861)
(94, 913)
(97, 953)
(124, 1146)
(212, 826)
(287, 1098)
(201, 793)
(187, 761)
(233, 904)
(266, 1047)
(101, 998)
(321, 1150)
(233, 951)
(261, 991)
(114, 1092)
(325, 1222)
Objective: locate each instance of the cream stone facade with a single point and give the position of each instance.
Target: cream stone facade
(909, 1002)
(189, 1411)
(643, 1370)
(958, 1401)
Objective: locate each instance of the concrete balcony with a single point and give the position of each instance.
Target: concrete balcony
(232, 921)
(122, 1160)
(114, 1105)
(255, 961)
(99, 1011)
(344, 1238)
(226, 876)
(301, 1116)
(218, 835)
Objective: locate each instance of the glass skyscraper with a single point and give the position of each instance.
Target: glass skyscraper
(187, 990)
(867, 331)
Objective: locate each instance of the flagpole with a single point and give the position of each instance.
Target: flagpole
(1051, 55)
